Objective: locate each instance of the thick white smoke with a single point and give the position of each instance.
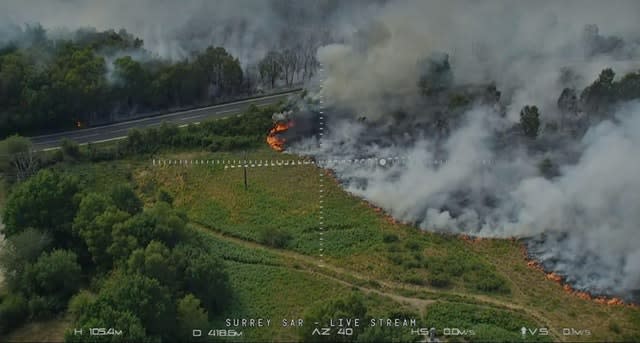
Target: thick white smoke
(582, 223)
(525, 47)
(590, 213)
(174, 29)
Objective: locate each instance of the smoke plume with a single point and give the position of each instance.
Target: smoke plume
(476, 174)
(456, 169)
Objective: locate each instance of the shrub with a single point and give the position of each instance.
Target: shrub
(614, 327)
(414, 279)
(70, 149)
(409, 264)
(394, 248)
(164, 195)
(276, 238)
(491, 283)
(81, 302)
(42, 307)
(413, 245)
(13, 311)
(396, 259)
(439, 279)
(97, 154)
(390, 238)
(126, 199)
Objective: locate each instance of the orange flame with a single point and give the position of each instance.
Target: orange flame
(570, 290)
(273, 139)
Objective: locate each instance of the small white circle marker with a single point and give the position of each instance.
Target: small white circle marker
(382, 161)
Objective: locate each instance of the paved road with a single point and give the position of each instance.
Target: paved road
(119, 130)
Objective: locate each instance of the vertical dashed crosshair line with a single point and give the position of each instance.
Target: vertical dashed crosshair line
(321, 218)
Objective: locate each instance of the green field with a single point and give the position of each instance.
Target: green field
(484, 285)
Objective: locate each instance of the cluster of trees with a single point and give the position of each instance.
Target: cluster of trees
(232, 133)
(47, 85)
(288, 65)
(595, 100)
(605, 91)
(138, 266)
(18, 160)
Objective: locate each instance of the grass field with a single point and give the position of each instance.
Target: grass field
(483, 284)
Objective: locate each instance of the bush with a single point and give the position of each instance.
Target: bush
(47, 200)
(439, 279)
(55, 275)
(614, 327)
(126, 199)
(70, 149)
(413, 279)
(491, 283)
(97, 154)
(276, 238)
(165, 196)
(413, 245)
(411, 264)
(390, 238)
(42, 307)
(80, 303)
(396, 259)
(13, 311)
(394, 248)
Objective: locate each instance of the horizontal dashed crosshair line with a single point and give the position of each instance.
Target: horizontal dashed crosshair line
(230, 164)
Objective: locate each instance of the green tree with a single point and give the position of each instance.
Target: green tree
(190, 315)
(70, 149)
(123, 241)
(163, 223)
(14, 71)
(126, 199)
(17, 158)
(94, 222)
(160, 222)
(131, 81)
(78, 83)
(13, 311)
(203, 275)
(351, 306)
(80, 303)
(270, 68)
(530, 121)
(55, 275)
(222, 70)
(601, 93)
(19, 251)
(154, 262)
(103, 314)
(46, 201)
(628, 88)
(144, 298)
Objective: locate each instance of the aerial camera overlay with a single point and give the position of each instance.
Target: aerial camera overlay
(319, 171)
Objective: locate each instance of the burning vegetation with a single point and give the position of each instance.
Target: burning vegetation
(570, 290)
(274, 138)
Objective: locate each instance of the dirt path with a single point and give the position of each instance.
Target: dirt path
(352, 278)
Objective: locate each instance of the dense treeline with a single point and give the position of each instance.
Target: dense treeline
(138, 266)
(18, 161)
(576, 109)
(232, 133)
(107, 258)
(89, 77)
